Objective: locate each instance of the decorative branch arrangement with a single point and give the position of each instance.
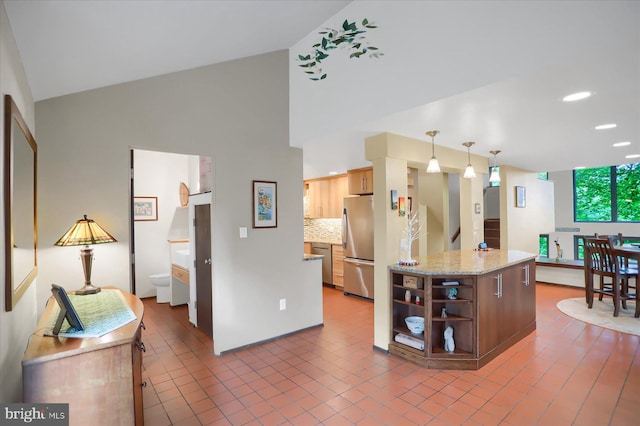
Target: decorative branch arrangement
(412, 232)
(350, 37)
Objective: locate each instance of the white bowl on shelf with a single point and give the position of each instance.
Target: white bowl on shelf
(415, 324)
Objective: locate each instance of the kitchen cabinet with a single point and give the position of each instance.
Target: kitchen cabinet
(493, 308)
(307, 248)
(506, 304)
(100, 377)
(360, 181)
(324, 196)
(337, 259)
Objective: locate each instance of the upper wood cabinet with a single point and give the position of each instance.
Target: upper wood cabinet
(360, 181)
(324, 196)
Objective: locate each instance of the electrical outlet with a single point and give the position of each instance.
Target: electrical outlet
(283, 304)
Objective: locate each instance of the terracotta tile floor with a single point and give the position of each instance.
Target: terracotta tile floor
(565, 373)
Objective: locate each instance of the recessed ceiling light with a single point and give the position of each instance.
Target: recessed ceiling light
(632, 156)
(619, 144)
(576, 96)
(606, 126)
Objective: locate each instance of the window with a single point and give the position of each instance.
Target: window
(578, 247)
(607, 194)
(544, 245)
(543, 175)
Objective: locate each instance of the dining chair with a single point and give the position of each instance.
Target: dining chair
(613, 279)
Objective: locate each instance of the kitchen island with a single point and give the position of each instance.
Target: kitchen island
(476, 304)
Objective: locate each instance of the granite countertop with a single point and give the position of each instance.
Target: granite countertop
(312, 256)
(465, 262)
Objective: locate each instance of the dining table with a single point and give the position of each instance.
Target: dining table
(629, 251)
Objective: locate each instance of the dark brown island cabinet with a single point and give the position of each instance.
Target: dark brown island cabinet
(481, 301)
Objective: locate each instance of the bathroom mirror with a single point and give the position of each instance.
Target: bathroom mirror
(20, 230)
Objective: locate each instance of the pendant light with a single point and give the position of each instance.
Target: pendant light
(495, 176)
(433, 166)
(469, 172)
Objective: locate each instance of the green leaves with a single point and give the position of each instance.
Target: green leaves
(349, 37)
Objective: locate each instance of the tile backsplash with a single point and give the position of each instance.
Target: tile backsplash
(323, 229)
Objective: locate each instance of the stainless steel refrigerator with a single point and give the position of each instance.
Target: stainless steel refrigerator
(357, 241)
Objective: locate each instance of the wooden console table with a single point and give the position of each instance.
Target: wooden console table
(100, 378)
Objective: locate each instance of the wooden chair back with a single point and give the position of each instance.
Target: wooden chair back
(601, 260)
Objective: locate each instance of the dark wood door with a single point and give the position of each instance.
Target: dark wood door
(203, 268)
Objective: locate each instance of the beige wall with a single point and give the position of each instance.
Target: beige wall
(15, 326)
(520, 227)
(236, 113)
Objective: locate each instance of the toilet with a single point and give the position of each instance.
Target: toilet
(161, 282)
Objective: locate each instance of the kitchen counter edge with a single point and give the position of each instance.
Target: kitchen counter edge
(465, 262)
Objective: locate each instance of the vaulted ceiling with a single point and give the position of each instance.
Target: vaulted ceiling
(487, 71)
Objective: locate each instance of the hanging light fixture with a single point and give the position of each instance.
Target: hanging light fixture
(433, 166)
(495, 176)
(468, 171)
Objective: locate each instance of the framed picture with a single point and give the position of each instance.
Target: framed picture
(401, 206)
(394, 199)
(145, 208)
(265, 204)
(66, 310)
(521, 196)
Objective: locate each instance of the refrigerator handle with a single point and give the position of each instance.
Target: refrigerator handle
(344, 228)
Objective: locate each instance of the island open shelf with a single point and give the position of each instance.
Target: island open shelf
(486, 298)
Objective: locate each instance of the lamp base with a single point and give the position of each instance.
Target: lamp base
(87, 289)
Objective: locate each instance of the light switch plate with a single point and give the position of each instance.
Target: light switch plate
(243, 232)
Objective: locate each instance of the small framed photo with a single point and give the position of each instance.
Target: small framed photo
(521, 196)
(394, 199)
(265, 204)
(145, 208)
(402, 206)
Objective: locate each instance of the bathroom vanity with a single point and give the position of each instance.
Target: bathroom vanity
(485, 299)
(179, 279)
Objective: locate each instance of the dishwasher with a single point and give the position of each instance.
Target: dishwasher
(325, 250)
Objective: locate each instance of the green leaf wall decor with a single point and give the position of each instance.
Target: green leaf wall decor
(350, 37)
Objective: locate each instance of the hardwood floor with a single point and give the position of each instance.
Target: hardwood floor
(565, 373)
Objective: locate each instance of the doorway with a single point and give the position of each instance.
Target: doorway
(159, 175)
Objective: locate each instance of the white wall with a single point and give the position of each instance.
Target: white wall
(236, 112)
(15, 326)
(157, 174)
(563, 195)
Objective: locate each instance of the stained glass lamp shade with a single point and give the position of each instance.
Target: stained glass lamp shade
(86, 232)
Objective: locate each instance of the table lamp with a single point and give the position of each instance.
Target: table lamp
(86, 232)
